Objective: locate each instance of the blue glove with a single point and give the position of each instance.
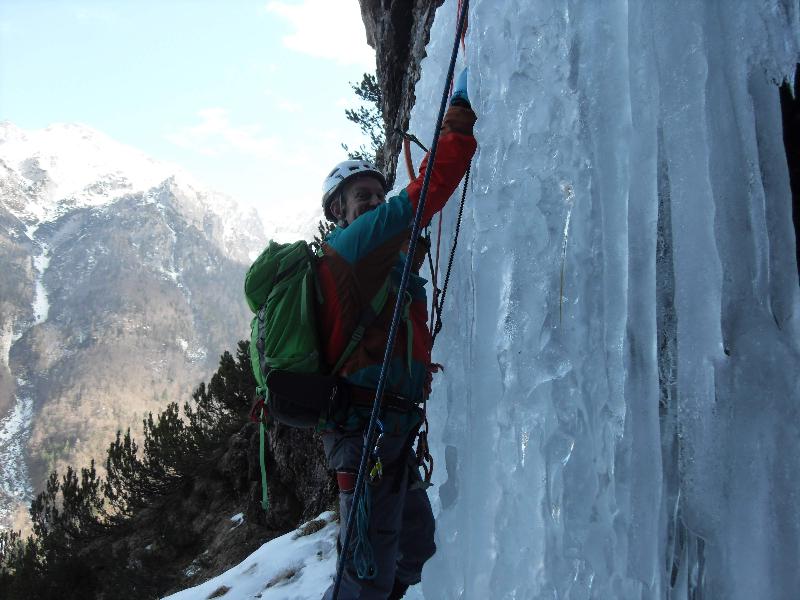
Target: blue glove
(460, 87)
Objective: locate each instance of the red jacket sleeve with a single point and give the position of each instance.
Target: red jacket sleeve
(453, 155)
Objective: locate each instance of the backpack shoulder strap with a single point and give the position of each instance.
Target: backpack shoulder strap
(369, 314)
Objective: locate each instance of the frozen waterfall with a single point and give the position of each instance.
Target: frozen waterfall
(635, 435)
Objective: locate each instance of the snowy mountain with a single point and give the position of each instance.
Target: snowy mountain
(64, 167)
(122, 285)
(68, 165)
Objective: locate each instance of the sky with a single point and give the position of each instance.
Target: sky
(248, 96)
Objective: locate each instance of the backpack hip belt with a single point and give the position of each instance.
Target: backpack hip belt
(364, 397)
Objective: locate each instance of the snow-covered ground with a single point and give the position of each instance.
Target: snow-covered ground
(6, 340)
(297, 566)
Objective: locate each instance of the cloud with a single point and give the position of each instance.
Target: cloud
(326, 29)
(215, 135)
(282, 103)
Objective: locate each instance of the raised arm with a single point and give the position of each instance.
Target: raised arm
(386, 227)
(456, 147)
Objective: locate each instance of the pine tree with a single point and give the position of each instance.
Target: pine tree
(80, 506)
(220, 407)
(166, 450)
(124, 473)
(11, 548)
(369, 119)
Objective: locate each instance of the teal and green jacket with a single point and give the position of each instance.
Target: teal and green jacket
(358, 259)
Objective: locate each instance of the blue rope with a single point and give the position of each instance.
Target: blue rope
(363, 556)
(398, 309)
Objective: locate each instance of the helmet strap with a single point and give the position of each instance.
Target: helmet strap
(341, 222)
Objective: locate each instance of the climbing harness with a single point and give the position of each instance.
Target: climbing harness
(398, 309)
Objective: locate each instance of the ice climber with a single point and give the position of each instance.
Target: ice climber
(363, 253)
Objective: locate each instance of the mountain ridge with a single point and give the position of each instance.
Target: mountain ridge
(123, 285)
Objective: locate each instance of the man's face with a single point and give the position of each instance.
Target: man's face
(360, 196)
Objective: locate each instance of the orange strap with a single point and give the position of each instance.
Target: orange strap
(409, 165)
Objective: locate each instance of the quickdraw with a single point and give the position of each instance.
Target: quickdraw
(423, 454)
(376, 472)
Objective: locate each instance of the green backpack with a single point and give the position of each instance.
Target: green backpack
(281, 289)
(294, 384)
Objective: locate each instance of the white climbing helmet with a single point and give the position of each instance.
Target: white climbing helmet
(341, 173)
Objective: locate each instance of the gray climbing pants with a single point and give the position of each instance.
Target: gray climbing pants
(401, 524)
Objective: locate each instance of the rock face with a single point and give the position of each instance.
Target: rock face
(121, 286)
(399, 30)
(300, 483)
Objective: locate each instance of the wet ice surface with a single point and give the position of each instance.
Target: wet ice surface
(633, 434)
